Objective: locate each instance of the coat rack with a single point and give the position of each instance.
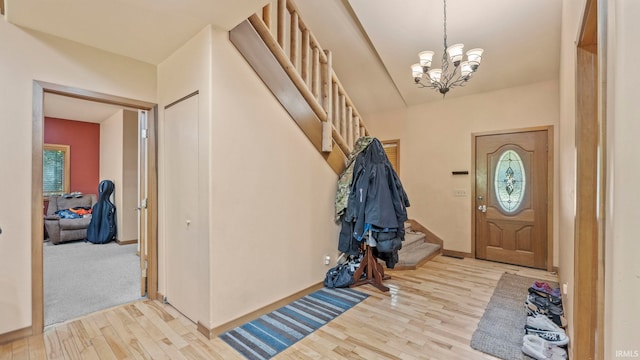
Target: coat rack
(374, 271)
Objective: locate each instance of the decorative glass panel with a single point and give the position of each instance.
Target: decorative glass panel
(510, 181)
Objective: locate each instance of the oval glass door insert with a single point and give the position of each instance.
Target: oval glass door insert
(510, 181)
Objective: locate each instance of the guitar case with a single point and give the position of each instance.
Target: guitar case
(102, 228)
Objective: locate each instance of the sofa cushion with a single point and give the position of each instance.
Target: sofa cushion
(74, 224)
(73, 202)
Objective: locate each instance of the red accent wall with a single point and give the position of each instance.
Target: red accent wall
(83, 139)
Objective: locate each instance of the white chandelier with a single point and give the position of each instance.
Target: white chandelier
(448, 76)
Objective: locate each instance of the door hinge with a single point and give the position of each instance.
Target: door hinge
(144, 133)
(144, 203)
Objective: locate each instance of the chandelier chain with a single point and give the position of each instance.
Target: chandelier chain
(445, 24)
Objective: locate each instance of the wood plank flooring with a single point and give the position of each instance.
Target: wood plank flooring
(429, 313)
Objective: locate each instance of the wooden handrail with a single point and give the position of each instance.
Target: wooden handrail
(311, 70)
(282, 58)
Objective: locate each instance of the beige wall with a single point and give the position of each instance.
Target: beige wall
(272, 195)
(436, 139)
(185, 71)
(267, 194)
(622, 268)
(119, 163)
(111, 131)
(28, 56)
(129, 188)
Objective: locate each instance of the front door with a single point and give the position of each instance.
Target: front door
(511, 198)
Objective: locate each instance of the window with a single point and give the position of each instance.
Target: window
(510, 181)
(56, 161)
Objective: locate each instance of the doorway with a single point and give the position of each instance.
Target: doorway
(148, 264)
(512, 204)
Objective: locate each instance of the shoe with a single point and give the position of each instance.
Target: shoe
(542, 322)
(540, 349)
(553, 337)
(537, 304)
(546, 288)
(552, 298)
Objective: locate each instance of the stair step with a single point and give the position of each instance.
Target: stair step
(417, 254)
(412, 238)
(407, 226)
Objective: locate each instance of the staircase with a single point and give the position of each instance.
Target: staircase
(416, 248)
(279, 46)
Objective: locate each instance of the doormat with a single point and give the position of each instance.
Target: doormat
(501, 328)
(270, 334)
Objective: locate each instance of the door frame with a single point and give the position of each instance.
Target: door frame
(591, 183)
(37, 220)
(550, 184)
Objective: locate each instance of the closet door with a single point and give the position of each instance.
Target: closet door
(181, 221)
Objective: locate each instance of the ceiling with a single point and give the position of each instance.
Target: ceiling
(69, 108)
(373, 42)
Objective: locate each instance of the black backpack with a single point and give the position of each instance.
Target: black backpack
(102, 228)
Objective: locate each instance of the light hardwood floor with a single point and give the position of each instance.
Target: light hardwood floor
(430, 313)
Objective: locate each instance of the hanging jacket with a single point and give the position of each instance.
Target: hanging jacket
(377, 203)
(346, 178)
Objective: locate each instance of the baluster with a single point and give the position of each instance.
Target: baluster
(266, 15)
(305, 56)
(327, 99)
(343, 116)
(315, 73)
(295, 40)
(282, 15)
(349, 119)
(356, 128)
(336, 107)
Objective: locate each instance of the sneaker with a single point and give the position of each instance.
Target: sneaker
(542, 322)
(537, 304)
(552, 298)
(553, 337)
(544, 287)
(541, 349)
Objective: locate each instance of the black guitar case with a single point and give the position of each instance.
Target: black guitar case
(102, 228)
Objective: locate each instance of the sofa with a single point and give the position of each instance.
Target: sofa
(62, 229)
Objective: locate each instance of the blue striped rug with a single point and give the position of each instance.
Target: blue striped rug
(268, 335)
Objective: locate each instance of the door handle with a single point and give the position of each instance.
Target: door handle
(483, 208)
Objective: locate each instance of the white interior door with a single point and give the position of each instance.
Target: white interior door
(181, 203)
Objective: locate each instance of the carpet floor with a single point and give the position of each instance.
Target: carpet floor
(501, 328)
(270, 334)
(81, 278)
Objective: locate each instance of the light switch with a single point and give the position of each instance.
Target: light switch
(460, 193)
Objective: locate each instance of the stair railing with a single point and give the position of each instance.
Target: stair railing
(310, 69)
